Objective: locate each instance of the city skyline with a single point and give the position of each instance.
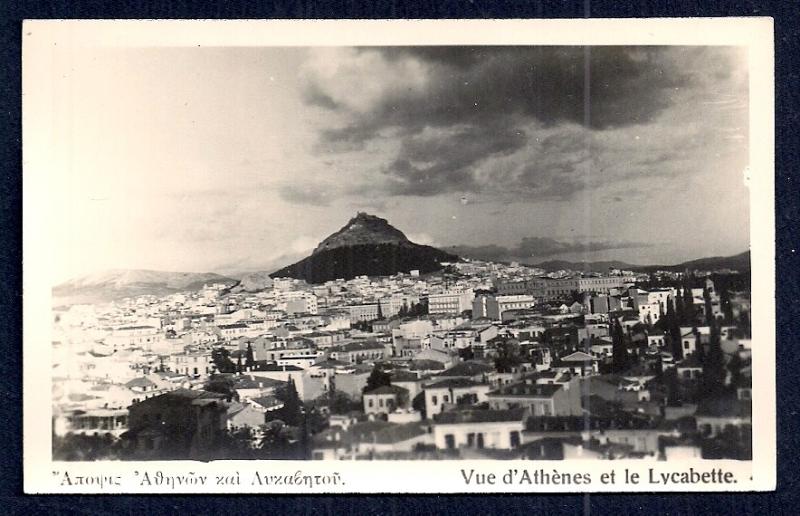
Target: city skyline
(237, 159)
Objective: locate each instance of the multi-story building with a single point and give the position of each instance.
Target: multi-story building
(364, 313)
(178, 424)
(450, 302)
(493, 307)
(302, 304)
(554, 288)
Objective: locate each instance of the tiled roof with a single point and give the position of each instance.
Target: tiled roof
(468, 368)
(452, 383)
(527, 390)
(387, 389)
(479, 416)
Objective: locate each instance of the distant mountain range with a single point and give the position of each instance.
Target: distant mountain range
(366, 245)
(739, 262)
(599, 266)
(121, 283)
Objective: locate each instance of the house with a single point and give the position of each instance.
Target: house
(326, 371)
(713, 416)
(352, 381)
(656, 339)
(98, 421)
(470, 370)
(408, 380)
(144, 387)
(426, 366)
(577, 363)
(538, 399)
(369, 439)
(385, 399)
(192, 363)
(453, 339)
(443, 357)
(601, 348)
(243, 415)
(181, 424)
(248, 386)
(444, 393)
(495, 429)
(689, 368)
(635, 433)
(358, 352)
(228, 332)
(263, 404)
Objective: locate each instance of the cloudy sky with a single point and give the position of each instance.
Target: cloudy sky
(236, 159)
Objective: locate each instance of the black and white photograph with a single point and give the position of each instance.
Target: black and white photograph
(368, 252)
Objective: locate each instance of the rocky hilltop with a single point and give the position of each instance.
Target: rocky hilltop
(363, 229)
(366, 245)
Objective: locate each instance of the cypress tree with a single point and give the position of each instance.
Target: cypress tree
(249, 358)
(714, 364)
(291, 413)
(688, 307)
(673, 329)
(726, 306)
(680, 311)
(709, 310)
(619, 351)
(699, 350)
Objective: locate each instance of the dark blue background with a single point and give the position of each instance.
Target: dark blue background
(784, 501)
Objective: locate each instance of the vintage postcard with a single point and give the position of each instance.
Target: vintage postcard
(398, 256)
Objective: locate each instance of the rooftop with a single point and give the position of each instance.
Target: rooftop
(479, 416)
(527, 390)
(387, 389)
(469, 368)
(453, 383)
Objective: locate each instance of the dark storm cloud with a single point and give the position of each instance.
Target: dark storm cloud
(540, 247)
(476, 85)
(472, 120)
(431, 164)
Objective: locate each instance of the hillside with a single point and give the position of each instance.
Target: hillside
(600, 266)
(740, 262)
(121, 283)
(367, 245)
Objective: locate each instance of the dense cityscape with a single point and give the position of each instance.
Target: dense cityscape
(479, 360)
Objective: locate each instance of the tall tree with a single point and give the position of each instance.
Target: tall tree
(291, 413)
(714, 372)
(744, 322)
(707, 306)
(726, 306)
(249, 358)
(377, 378)
(689, 312)
(699, 348)
(680, 311)
(735, 368)
(508, 356)
(276, 441)
(620, 358)
(672, 328)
